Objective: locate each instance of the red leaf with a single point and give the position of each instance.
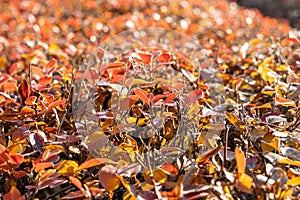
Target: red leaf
(24, 90)
(14, 194)
(193, 97)
(295, 40)
(16, 159)
(19, 174)
(170, 97)
(142, 94)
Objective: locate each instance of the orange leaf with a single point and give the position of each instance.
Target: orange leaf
(164, 57)
(45, 80)
(40, 166)
(4, 78)
(240, 160)
(27, 111)
(51, 63)
(284, 102)
(13, 194)
(94, 162)
(9, 86)
(39, 71)
(146, 57)
(142, 94)
(30, 101)
(108, 179)
(57, 103)
(76, 182)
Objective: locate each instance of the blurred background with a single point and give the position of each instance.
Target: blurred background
(289, 9)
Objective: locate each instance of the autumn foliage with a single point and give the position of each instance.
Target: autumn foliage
(254, 154)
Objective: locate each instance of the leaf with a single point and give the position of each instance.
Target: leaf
(240, 160)
(284, 102)
(295, 40)
(189, 75)
(170, 169)
(45, 80)
(13, 194)
(40, 166)
(76, 182)
(39, 71)
(295, 181)
(66, 167)
(170, 97)
(130, 188)
(142, 94)
(24, 90)
(37, 141)
(159, 176)
(236, 122)
(245, 183)
(146, 57)
(94, 162)
(27, 111)
(164, 57)
(74, 195)
(193, 96)
(108, 179)
(51, 63)
(3, 78)
(30, 101)
(208, 154)
(60, 102)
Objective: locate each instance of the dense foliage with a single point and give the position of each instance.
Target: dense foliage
(255, 156)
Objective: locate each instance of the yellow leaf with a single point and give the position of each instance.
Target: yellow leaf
(293, 181)
(159, 176)
(245, 183)
(270, 145)
(131, 193)
(289, 162)
(266, 73)
(54, 146)
(3, 62)
(286, 193)
(236, 122)
(66, 167)
(140, 82)
(266, 105)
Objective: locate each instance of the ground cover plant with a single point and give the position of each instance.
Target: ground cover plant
(254, 154)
